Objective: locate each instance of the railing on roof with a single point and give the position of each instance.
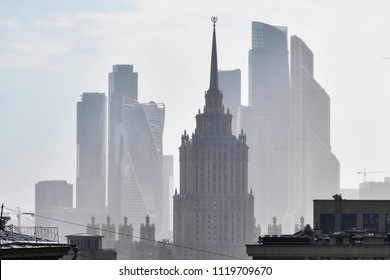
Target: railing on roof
(35, 234)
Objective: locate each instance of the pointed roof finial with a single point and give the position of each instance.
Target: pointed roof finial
(214, 62)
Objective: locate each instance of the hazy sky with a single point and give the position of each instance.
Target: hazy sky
(53, 51)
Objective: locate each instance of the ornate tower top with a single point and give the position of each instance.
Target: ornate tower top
(214, 60)
(214, 95)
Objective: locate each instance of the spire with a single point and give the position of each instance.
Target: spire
(214, 62)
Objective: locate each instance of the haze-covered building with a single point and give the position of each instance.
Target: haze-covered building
(167, 230)
(91, 154)
(135, 183)
(375, 190)
(54, 204)
(51, 198)
(267, 119)
(230, 85)
(140, 167)
(314, 171)
(123, 83)
(213, 213)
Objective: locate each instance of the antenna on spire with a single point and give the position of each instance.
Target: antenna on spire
(214, 20)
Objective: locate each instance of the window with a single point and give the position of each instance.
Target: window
(387, 223)
(371, 222)
(327, 223)
(348, 222)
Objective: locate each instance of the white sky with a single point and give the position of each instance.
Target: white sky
(53, 51)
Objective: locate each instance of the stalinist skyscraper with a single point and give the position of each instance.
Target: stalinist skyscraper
(213, 213)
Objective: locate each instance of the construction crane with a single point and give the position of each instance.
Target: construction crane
(19, 215)
(365, 172)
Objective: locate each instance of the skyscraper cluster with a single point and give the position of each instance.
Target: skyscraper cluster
(288, 127)
(242, 166)
(135, 186)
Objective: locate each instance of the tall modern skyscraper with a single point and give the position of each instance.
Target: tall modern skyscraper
(213, 211)
(91, 154)
(230, 85)
(266, 121)
(122, 83)
(314, 172)
(141, 183)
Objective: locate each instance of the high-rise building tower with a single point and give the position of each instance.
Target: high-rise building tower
(52, 198)
(230, 85)
(266, 121)
(141, 182)
(314, 172)
(122, 83)
(213, 211)
(91, 154)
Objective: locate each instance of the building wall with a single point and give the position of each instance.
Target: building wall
(367, 212)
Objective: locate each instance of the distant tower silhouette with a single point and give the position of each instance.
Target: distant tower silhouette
(314, 171)
(93, 228)
(122, 83)
(266, 120)
(135, 183)
(147, 230)
(230, 85)
(214, 211)
(275, 229)
(91, 154)
(125, 231)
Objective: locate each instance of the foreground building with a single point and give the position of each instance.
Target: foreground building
(344, 229)
(40, 244)
(213, 213)
(372, 216)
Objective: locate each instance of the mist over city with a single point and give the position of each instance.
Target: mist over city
(179, 137)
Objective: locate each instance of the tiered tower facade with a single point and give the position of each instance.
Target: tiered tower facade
(213, 213)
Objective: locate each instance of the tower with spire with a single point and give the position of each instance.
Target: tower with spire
(213, 212)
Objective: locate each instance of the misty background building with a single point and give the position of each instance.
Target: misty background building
(267, 120)
(213, 211)
(375, 190)
(135, 171)
(168, 192)
(53, 203)
(141, 180)
(91, 155)
(314, 172)
(123, 82)
(230, 85)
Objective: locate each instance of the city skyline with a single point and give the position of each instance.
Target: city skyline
(41, 109)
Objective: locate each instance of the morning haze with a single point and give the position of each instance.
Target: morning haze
(52, 57)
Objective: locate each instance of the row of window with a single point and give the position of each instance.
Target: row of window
(371, 222)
